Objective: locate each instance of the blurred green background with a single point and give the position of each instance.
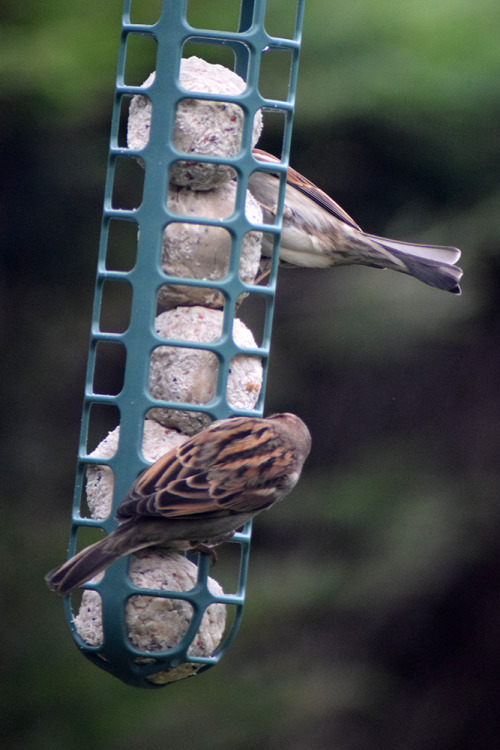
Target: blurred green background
(373, 607)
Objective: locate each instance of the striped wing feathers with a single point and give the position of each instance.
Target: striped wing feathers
(236, 465)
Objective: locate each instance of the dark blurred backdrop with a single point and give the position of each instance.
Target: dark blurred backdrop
(373, 608)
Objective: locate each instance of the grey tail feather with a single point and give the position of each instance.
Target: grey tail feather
(431, 264)
(80, 568)
(91, 560)
(432, 273)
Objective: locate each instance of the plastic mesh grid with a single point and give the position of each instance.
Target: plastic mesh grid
(139, 339)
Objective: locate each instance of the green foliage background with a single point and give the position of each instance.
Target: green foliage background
(373, 610)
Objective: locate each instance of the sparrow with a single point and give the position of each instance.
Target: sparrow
(199, 492)
(318, 233)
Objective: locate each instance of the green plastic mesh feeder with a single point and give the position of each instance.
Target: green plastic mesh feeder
(156, 617)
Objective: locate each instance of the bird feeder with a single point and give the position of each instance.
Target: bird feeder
(154, 619)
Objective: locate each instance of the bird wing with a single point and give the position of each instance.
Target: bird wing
(308, 188)
(236, 465)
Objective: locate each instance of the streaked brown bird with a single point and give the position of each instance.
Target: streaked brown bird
(199, 492)
(318, 233)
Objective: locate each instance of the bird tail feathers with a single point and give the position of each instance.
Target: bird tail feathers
(80, 568)
(431, 264)
(91, 560)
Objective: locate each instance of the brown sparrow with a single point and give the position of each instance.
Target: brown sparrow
(199, 492)
(317, 233)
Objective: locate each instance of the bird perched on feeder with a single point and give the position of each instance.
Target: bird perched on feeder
(318, 233)
(199, 493)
